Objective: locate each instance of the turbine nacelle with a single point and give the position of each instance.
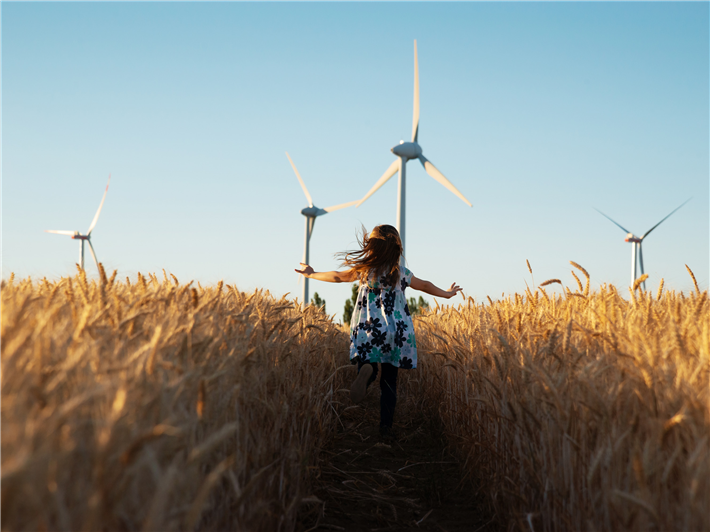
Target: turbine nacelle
(407, 150)
(312, 212)
(630, 237)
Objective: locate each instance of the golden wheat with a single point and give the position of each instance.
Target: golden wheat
(161, 406)
(577, 413)
(154, 407)
(640, 280)
(692, 276)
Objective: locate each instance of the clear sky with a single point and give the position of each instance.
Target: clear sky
(537, 112)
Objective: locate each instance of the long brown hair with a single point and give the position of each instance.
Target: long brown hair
(379, 254)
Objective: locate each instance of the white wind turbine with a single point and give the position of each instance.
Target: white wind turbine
(406, 151)
(76, 235)
(311, 213)
(636, 251)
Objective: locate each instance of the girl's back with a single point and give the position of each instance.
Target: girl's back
(381, 328)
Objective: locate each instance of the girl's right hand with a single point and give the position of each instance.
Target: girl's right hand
(305, 271)
(455, 289)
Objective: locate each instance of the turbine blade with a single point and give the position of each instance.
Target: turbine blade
(664, 219)
(96, 217)
(415, 118)
(605, 216)
(69, 233)
(341, 206)
(303, 185)
(394, 167)
(93, 254)
(434, 172)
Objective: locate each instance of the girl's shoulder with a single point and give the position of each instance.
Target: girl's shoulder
(404, 272)
(405, 277)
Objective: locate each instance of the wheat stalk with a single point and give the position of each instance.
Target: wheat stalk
(586, 274)
(640, 280)
(692, 275)
(580, 268)
(660, 289)
(579, 283)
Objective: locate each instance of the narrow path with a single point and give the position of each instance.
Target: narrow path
(408, 483)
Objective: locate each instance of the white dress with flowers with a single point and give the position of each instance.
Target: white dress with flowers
(381, 328)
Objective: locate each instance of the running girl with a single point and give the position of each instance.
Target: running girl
(381, 328)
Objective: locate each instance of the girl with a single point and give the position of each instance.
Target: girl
(381, 329)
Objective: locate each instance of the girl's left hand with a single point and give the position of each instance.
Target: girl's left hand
(307, 271)
(455, 289)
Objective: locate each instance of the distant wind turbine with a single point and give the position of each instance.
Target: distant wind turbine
(406, 151)
(636, 251)
(311, 213)
(76, 235)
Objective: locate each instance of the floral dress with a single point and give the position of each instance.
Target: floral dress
(381, 328)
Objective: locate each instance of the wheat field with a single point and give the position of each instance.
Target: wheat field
(577, 411)
(155, 405)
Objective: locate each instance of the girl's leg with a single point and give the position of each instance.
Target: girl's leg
(388, 397)
(372, 378)
(366, 373)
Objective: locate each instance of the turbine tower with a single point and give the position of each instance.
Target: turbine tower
(311, 213)
(636, 251)
(76, 235)
(406, 151)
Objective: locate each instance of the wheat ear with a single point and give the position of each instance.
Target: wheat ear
(660, 289)
(638, 281)
(692, 275)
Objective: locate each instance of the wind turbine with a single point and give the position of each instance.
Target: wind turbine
(76, 235)
(636, 251)
(406, 151)
(311, 213)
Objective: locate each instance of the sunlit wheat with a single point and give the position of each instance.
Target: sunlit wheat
(577, 413)
(152, 406)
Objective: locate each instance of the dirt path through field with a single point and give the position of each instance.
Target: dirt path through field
(409, 483)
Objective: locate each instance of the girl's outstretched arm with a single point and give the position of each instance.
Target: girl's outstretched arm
(433, 290)
(347, 276)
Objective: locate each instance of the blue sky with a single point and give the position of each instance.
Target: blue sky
(537, 112)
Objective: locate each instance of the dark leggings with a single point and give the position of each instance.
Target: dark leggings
(388, 390)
